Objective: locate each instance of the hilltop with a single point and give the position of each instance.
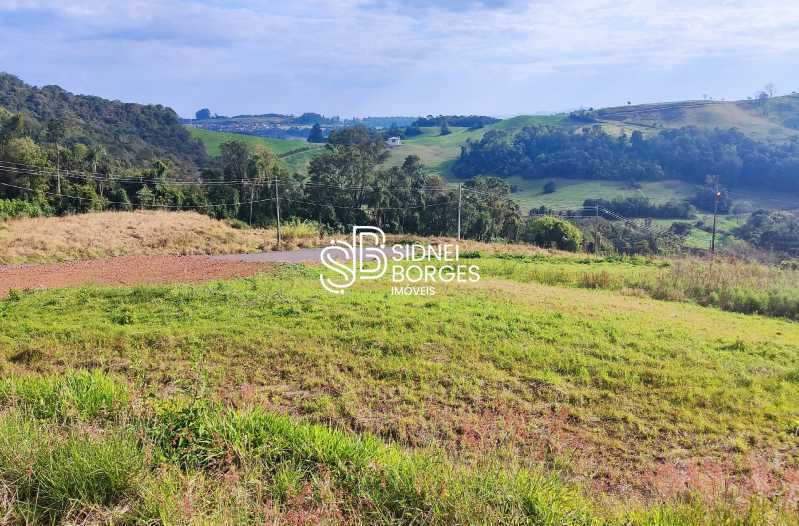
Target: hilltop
(776, 118)
(132, 133)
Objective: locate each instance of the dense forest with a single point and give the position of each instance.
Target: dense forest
(690, 154)
(131, 133)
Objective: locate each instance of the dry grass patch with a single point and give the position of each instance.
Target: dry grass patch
(108, 234)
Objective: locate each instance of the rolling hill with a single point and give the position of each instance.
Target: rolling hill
(132, 133)
(770, 119)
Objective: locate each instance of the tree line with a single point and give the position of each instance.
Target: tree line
(688, 153)
(348, 184)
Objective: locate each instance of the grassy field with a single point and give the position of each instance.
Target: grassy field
(698, 238)
(774, 119)
(108, 234)
(571, 193)
(552, 392)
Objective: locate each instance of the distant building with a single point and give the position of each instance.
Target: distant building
(394, 141)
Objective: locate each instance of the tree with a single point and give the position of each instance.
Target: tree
(770, 89)
(395, 131)
(316, 135)
(552, 232)
(445, 129)
(550, 187)
(772, 230)
(203, 114)
(234, 156)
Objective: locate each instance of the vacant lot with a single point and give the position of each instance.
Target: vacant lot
(509, 401)
(108, 234)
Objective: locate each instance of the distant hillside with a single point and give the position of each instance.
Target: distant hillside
(295, 154)
(133, 133)
(776, 118)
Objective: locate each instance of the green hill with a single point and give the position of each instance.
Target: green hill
(769, 119)
(132, 133)
(776, 118)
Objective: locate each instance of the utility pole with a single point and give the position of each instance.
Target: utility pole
(277, 210)
(716, 199)
(252, 198)
(460, 201)
(58, 169)
(596, 230)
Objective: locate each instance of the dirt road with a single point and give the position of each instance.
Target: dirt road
(132, 270)
(126, 271)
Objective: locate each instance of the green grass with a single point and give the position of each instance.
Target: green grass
(57, 473)
(183, 460)
(571, 193)
(483, 404)
(298, 161)
(436, 151)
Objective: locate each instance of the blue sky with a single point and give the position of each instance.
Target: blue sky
(411, 57)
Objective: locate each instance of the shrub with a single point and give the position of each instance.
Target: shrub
(553, 232)
(550, 187)
(297, 229)
(15, 208)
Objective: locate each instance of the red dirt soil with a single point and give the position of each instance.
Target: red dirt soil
(129, 270)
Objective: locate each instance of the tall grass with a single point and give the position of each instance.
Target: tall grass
(55, 473)
(379, 484)
(184, 461)
(737, 286)
(74, 395)
(728, 284)
(297, 231)
(110, 234)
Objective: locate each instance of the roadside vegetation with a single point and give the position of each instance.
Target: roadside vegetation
(508, 401)
(728, 284)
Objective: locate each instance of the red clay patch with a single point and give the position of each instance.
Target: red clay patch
(128, 270)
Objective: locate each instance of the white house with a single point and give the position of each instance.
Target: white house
(394, 141)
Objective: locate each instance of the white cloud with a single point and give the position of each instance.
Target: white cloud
(349, 44)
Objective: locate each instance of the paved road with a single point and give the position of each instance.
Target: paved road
(302, 255)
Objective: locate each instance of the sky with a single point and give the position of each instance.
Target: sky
(402, 57)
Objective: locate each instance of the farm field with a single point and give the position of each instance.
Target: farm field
(571, 193)
(527, 398)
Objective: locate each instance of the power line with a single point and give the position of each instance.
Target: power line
(123, 203)
(210, 205)
(29, 169)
